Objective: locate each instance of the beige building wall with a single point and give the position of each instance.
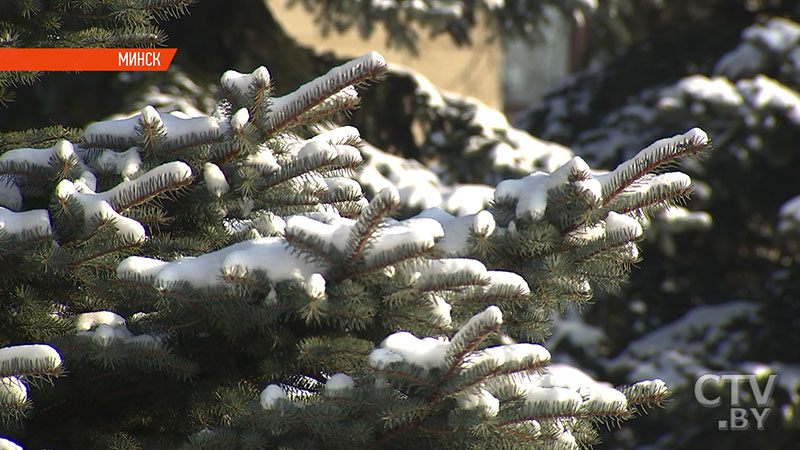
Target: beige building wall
(475, 71)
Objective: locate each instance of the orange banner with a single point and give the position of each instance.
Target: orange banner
(86, 59)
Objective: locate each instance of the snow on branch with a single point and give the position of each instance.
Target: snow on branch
(342, 101)
(95, 208)
(163, 178)
(78, 201)
(505, 388)
(657, 154)
(288, 108)
(472, 333)
(5, 444)
(240, 83)
(646, 393)
(30, 170)
(248, 92)
(654, 193)
(368, 221)
(271, 256)
(103, 336)
(161, 135)
(60, 157)
(35, 360)
(24, 226)
(450, 274)
(458, 231)
(23, 365)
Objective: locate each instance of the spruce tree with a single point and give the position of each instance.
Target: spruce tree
(79, 24)
(726, 300)
(222, 281)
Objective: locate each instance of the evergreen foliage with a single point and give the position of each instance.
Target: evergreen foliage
(80, 24)
(223, 279)
(728, 296)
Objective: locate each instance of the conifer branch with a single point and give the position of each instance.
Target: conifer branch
(657, 154)
(164, 178)
(288, 109)
(31, 361)
(468, 337)
(368, 222)
(343, 101)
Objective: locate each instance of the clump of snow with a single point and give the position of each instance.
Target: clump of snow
(334, 232)
(12, 391)
(269, 254)
(122, 132)
(456, 231)
(525, 153)
(5, 444)
(622, 224)
(678, 218)
(480, 398)
(38, 352)
(43, 357)
(95, 205)
(104, 327)
(646, 156)
(339, 135)
(499, 278)
(40, 157)
(87, 321)
(427, 353)
(483, 224)
(243, 81)
(436, 268)
(315, 286)
(419, 188)
(345, 185)
(339, 381)
(239, 119)
(270, 396)
(176, 171)
(103, 204)
(125, 163)
(464, 199)
(441, 310)
(264, 158)
(344, 75)
(788, 215)
(570, 388)
(215, 180)
(14, 223)
(317, 149)
(139, 266)
(530, 194)
(494, 4)
(416, 230)
(510, 354)
(489, 318)
(567, 400)
(717, 90)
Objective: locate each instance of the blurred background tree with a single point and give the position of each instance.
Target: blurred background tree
(637, 70)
